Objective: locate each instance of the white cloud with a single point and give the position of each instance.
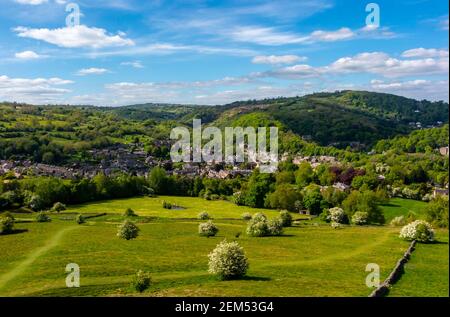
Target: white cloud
(91, 71)
(134, 64)
(75, 37)
(425, 53)
(332, 36)
(271, 36)
(26, 55)
(38, 90)
(383, 64)
(277, 59)
(418, 89)
(32, 2)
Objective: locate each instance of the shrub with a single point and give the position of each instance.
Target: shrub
(337, 215)
(437, 212)
(203, 216)
(129, 213)
(33, 201)
(6, 224)
(80, 219)
(286, 218)
(207, 229)
(360, 218)
(398, 221)
(58, 207)
(257, 226)
(128, 230)
(325, 215)
(275, 227)
(167, 205)
(336, 225)
(418, 230)
(246, 216)
(228, 260)
(141, 281)
(43, 217)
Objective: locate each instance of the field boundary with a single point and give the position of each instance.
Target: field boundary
(396, 273)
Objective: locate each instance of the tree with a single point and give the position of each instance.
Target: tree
(284, 197)
(437, 212)
(258, 186)
(312, 200)
(158, 180)
(304, 175)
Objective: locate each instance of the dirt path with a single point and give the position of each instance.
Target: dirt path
(20, 267)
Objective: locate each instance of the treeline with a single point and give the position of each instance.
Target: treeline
(420, 141)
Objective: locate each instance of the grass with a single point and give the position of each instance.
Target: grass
(426, 274)
(310, 259)
(401, 207)
(192, 206)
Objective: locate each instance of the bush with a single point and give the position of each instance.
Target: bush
(398, 221)
(418, 230)
(325, 216)
(246, 216)
(129, 213)
(6, 224)
(207, 229)
(286, 218)
(437, 212)
(58, 207)
(128, 230)
(34, 202)
(167, 205)
(336, 225)
(43, 217)
(228, 260)
(141, 281)
(360, 218)
(275, 227)
(203, 216)
(337, 215)
(80, 219)
(257, 226)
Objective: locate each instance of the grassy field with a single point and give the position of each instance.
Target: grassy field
(401, 207)
(192, 206)
(310, 259)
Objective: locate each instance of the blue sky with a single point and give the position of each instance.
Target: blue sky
(215, 52)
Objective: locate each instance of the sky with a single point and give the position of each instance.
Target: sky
(122, 52)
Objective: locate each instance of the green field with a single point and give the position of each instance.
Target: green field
(192, 206)
(310, 259)
(399, 206)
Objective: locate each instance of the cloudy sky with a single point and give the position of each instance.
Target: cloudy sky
(215, 52)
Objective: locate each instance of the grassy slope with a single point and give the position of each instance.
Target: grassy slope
(399, 206)
(309, 260)
(426, 274)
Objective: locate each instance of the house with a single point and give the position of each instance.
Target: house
(341, 186)
(440, 192)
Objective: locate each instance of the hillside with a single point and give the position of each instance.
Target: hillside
(343, 118)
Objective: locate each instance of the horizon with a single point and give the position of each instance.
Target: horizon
(125, 52)
(206, 105)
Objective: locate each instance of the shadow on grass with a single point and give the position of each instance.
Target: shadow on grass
(15, 231)
(390, 205)
(255, 278)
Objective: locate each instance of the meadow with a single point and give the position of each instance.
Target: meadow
(310, 259)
